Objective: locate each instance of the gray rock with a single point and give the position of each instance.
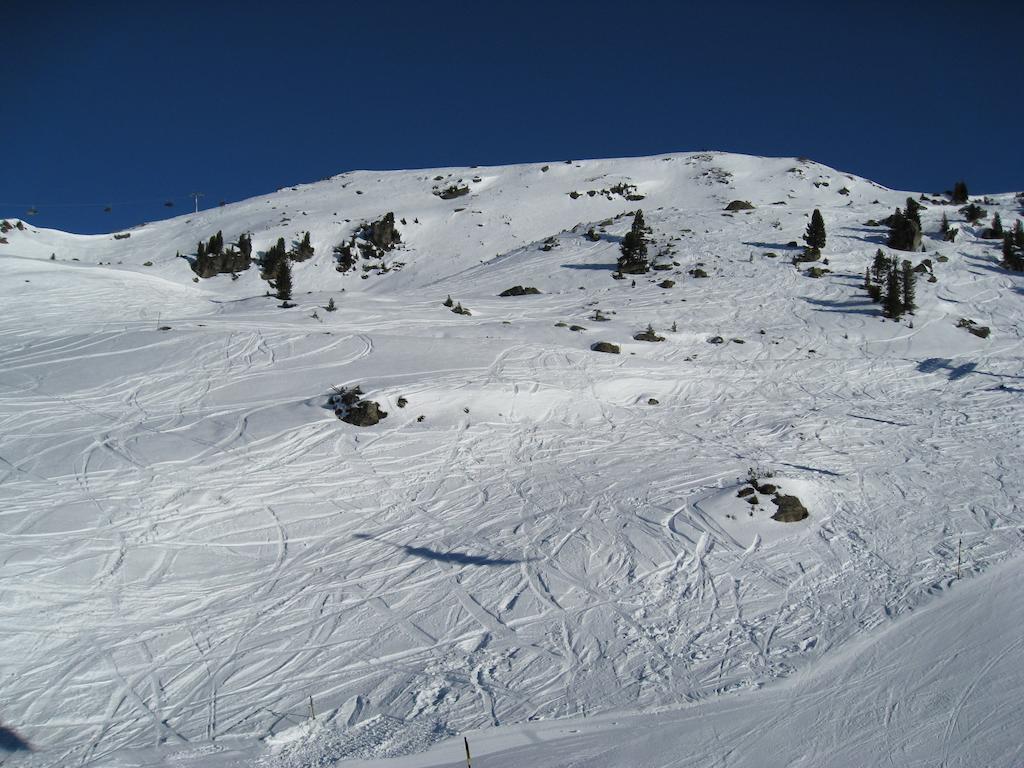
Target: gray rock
(791, 510)
(605, 346)
(739, 205)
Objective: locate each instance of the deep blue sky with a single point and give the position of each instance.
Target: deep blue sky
(138, 102)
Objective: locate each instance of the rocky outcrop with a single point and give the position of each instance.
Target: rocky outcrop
(349, 406)
(518, 290)
(605, 346)
(739, 205)
(382, 233)
(791, 510)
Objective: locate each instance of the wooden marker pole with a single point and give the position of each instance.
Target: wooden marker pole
(468, 763)
(959, 545)
(312, 712)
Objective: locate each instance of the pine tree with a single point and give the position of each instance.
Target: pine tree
(815, 235)
(914, 212)
(909, 294)
(201, 250)
(633, 260)
(973, 213)
(1018, 234)
(867, 278)
(284, 280)
(245, 245)
(997, 225)
(1008, 254)
(305, 249)
(960, 195)
(331, 306)
(880, 266)
(893, 294)
(944, 226)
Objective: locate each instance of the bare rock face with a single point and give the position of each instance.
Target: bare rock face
(518, 290)
(383, 234)
(605, 346)
(739, 205)
(349, 406)
(791, 510)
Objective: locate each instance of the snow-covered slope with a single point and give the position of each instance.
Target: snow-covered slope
(192, 545)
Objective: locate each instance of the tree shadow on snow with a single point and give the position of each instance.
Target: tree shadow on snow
(855, 307)
(957, 372)
(774, 246)
(12, 742)
(608, 267)
(459, 558)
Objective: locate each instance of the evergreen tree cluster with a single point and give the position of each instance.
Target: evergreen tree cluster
(973, 213)
(633, 260)
(304, 249)
(1013, 248)
(892, 283)
(277, 267)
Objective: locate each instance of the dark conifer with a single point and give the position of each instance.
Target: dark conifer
(909, 294)
(815, 235)
(880, 267)
(893, 294)
(1018, 234)
(960, 195)
(305, 249)
(245, 245)
(944, 226)
(201, 250)
(284, 280)
(633, 260)
(997, 225)
(973, 213)
(914, 212)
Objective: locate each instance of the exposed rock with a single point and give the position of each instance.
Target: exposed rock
(739, 205)
(382, 233)
(648, 335)
(667, 284)
(652, 401)
(752, 500)
(518, 290)
(767, 489)
(698, 272)
(349, 406)
(981, 331)
(605, 346)
(745, 491)
(790, 509)
(716, 340)
(450, 193)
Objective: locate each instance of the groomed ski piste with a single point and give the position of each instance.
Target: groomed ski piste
(541, 546)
